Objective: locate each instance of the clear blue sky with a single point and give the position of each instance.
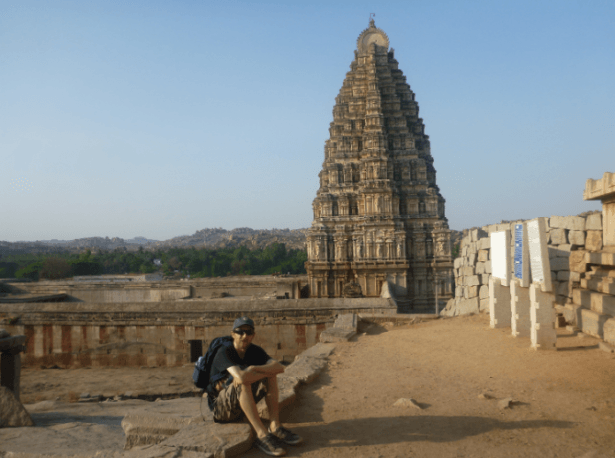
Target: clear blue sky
(157, 119)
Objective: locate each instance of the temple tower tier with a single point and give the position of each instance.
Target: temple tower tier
(378, 214)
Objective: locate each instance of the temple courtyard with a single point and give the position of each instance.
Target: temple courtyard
(477, 392)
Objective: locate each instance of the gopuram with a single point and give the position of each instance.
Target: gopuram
(378, 215)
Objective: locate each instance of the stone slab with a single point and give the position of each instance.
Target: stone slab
(12, 412)
(499, 304)
(348, 321)
(558, 236)
(574, 223)
(592, 323)
(333, 335)
(542, 318)
(219, 440)
(609, 331)
(520, 305)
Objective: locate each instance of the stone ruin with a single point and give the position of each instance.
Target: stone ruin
(378, 214)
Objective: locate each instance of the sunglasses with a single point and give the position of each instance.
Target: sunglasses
(241, 332)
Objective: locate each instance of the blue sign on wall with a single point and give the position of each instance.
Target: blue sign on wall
(519, 251)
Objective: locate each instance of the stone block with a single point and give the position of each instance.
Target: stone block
(593, 242)
(573, 223)
(609, 331)
(592, 323)
(578, 261)
(483, 255)
(473, 280)
(472, 259)
(472, 292)
(484, 279)
(593, 222)
(457, 263)
(488, 267)
(575, 276)
(542, 319)
(576, 238)
(483, 305)
(562, 289)
(484, 291)
(520, 305)
(563, 275)
(565, 248)
(499, 304)
(347, 321)
(467, 306)
(602, 303)
(480, 268)
(477, 234)
(336, 335)
(12, 412)
(467, 271)
(485, 243)
(559, 236)
(558, 264)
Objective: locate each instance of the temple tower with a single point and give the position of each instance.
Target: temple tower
(378, 214)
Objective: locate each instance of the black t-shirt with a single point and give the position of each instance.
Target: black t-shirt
(227, 357)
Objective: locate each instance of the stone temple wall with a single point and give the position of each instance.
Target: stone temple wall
(565, 234)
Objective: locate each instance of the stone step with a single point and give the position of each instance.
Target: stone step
(599, 284)
(598, 302)
(591, 322)
(603, 258)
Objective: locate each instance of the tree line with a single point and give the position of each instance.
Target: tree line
(197, 263)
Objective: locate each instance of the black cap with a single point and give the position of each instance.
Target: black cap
(244, 320)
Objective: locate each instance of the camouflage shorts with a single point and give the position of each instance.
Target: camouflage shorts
(227, 408)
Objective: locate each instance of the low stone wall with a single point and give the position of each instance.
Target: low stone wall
(160, 291)
(73, 334)
(472, 269)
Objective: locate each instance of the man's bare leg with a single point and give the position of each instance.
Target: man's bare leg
(246, 401)
(272, 400)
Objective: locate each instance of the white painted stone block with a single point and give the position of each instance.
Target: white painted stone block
(520, 305)
(542, 318)
(499, 304)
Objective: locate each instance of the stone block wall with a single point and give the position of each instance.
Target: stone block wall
(565, 235)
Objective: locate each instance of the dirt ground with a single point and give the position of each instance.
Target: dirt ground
(563, 401)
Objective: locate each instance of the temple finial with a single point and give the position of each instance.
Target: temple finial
(371, 20)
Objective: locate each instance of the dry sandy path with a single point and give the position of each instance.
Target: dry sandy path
(564, 401)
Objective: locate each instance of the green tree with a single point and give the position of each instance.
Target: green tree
(55, 268)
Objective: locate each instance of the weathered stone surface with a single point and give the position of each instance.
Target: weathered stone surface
(220, 440)
(488, 267)
(576, 238)
(594, 222)
(484, 279)
(467, 271)
(558, 236)
(483, 255)
(563, 275)
(12, 412)
(577, 261)
(480, 267)
(609, 331)
(593, 242)
(563, 289)
(483, 305)
(574, 223)
(473, 280)
(484, 291)
(485, 243)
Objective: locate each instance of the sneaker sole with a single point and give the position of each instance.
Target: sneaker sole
(269, 452)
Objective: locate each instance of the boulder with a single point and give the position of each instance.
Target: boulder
(12, 412)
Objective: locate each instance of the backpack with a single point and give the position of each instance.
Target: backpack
(202, 367)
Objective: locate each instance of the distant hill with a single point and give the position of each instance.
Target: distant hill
(205, 238)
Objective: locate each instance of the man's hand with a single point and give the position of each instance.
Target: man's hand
(255, 373)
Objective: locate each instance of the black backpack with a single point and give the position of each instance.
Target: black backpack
(202, 367)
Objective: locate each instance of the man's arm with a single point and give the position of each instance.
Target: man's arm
(255, 373)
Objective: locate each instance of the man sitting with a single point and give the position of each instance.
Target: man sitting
(249, 374)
